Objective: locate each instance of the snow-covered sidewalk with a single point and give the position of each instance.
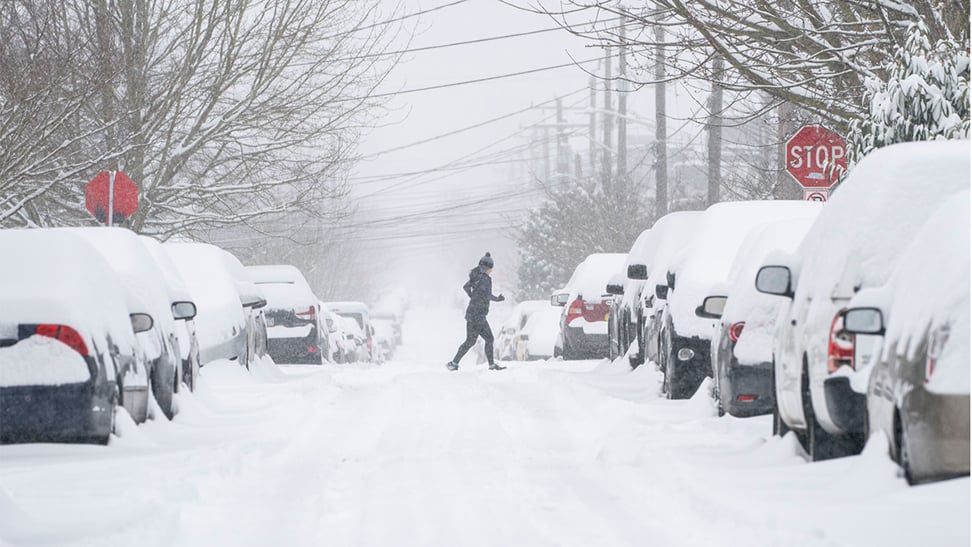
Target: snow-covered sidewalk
(408, 453)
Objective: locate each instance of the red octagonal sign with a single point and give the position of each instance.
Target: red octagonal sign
(816, 156)
(124, 202)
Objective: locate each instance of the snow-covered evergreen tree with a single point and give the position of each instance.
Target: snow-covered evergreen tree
(926, 96)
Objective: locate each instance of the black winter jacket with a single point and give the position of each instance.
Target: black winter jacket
(480, 291)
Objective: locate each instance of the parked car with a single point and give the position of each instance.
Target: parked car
(342, 350)
(583, 324)
(253, 301)
(145, 291)
(742, 348)
(68, 353)
(394, 321)
(669, 235)
(918, 381)
(357, 340)
(220, 317)
(703, 271)
(852, 245)
(508, 330)
(362, 316)
(384, 334)
(291, 315)
(536, 340)
(183, 311)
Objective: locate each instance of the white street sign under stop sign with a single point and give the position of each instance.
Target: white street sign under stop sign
(816, 195)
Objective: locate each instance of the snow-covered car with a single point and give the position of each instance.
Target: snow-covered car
(340, 349)
(852, 245)
(146, 292)
(356, 340)
(583, 324)
(918, 381)
(183, 311)
(384, 334)
(703, 271)
(220, 317)
(291, 314)
(505, 347)
(394, 320)
(362, 316)
(669, 235)
(68, 353)
(538, 336)
(253, 301)
(742, 347)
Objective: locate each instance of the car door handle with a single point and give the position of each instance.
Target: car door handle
(793, 322)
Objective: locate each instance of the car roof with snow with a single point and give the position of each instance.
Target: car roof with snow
(144, 284)
(175, 286)
(928, 290)
(219, 311)
(347, 307)
(590, 277)
(874, 213)
(61, 278)
(655, 247)
(703, 270)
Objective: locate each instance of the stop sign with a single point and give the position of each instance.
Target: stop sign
(97, 198)
(816, 156)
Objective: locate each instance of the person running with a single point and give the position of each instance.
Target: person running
(480, 291)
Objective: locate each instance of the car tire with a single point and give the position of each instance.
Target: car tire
(901, 446)
(164, 394)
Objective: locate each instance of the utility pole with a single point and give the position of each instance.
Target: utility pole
(622, 111)
(715, 130)
(546, 155)
(606, 158)
(563, 161)
(592, 128)
(661, 131)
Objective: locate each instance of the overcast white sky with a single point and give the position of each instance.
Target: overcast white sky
(435, 250)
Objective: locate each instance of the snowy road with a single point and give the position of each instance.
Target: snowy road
(408, 453)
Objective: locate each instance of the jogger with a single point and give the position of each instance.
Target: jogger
(480, 291)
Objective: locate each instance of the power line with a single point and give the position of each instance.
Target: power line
(402, 18)
(466, 82)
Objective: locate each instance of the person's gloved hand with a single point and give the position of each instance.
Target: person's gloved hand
(500, 298)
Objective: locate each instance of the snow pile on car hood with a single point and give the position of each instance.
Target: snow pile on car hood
(704, 268)
(759, 310)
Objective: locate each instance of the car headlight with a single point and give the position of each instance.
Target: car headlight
(686, 354)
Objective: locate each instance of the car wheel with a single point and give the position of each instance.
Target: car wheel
(163, 393)
(904, 460)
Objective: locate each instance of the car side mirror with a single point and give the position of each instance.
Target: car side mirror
(254, 302)
(638, 272)
(661, 291)
(868, 321)
(775, 280)
(141, 322)
(183, 310)
(712, 307)
(615, 289)
(559, 299)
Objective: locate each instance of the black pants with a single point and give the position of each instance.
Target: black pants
(475, 328)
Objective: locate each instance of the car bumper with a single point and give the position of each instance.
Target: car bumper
(846, 408)
(63, 413)
(295, 350)
(592, 345)
(748, 390)
(937, 431)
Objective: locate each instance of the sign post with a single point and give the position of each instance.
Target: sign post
(815, 158)
(110, 195)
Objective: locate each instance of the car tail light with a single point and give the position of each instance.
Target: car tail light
(575, 310)
(310, 313)
(745, 398)
(840, 350)
(311, 349)
(735, 330)
(935, 347)
(65, 334)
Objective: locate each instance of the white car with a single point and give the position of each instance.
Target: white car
(145, 290)
(220, 317)
(852, 245)
(68, 352)
(536, 340)
(701, 271)
(509, 329)
(360, 313)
